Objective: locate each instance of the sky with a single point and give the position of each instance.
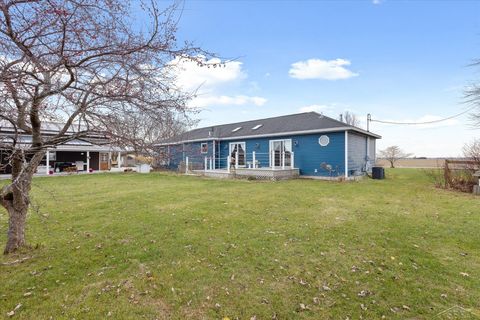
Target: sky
(405, 61)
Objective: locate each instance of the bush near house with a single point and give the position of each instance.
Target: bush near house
(163, 246)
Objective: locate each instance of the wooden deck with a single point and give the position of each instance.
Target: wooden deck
(258, 173)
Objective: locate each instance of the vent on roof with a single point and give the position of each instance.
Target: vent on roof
(257, 126)
(236, 129)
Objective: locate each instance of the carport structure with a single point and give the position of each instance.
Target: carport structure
(92, 153)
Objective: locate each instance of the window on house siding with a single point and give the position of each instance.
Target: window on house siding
(324, 140)
(204, 148)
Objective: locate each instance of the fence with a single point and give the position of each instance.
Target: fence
(459, 174)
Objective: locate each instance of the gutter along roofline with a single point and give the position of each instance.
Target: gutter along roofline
(278, 134)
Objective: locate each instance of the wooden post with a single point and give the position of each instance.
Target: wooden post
(236, 160)
(119, 160)
(446, 174)
(186, 165)
(211, 163)
(292, 160)
(228, 163)
(205, 164)
(283, 159)
(253, 159)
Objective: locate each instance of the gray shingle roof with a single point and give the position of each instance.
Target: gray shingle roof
(299, 122)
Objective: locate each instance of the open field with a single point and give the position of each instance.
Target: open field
(161, 246)
(414, 163)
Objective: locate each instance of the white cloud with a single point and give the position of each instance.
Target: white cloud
(316, 107)
(238, 100)
(212, 78)
(377, 1)
(321, 69)
(191, 76)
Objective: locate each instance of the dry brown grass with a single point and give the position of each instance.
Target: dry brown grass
(414, 163)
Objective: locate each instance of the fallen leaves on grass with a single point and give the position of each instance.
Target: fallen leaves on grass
(303, 307)
(10, 263)
(364, 293)
(12, 313)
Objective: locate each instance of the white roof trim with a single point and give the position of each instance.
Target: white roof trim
(278, 134)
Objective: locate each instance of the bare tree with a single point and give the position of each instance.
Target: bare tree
(138, 132)
(472, 96)
(82, 63)
(392, 154)
(350, 118)
(471, 151)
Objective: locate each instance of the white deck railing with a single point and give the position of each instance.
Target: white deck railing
(253, 160)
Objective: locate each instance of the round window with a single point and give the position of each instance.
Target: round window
(324, 141)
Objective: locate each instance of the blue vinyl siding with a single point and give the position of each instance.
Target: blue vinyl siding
(192, 150)
(308, 153)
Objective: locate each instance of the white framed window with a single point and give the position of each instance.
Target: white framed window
(323, 140)
(238, 151)
(204, 147)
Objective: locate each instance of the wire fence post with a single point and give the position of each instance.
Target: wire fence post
(253, 160)
(283, 160)
(292, 160)
(236, 160)
(211, 163)
(205, 164)
(228, 163)
(186, 165)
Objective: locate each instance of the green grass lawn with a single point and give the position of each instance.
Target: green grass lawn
(162, 246)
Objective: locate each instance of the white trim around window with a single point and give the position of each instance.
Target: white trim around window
(244, 146)
(271, 153)
(204, 147)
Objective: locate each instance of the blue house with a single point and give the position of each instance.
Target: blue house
(306, 144)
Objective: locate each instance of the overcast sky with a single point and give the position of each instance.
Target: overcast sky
(400, 61)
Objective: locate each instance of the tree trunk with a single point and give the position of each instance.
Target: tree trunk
(391, 164)
(15, 198)
(16, 227)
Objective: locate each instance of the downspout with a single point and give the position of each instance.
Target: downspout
(346, 154)
(214, 158)
(368, 154)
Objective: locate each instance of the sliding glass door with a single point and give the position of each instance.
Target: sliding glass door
(280, 153)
